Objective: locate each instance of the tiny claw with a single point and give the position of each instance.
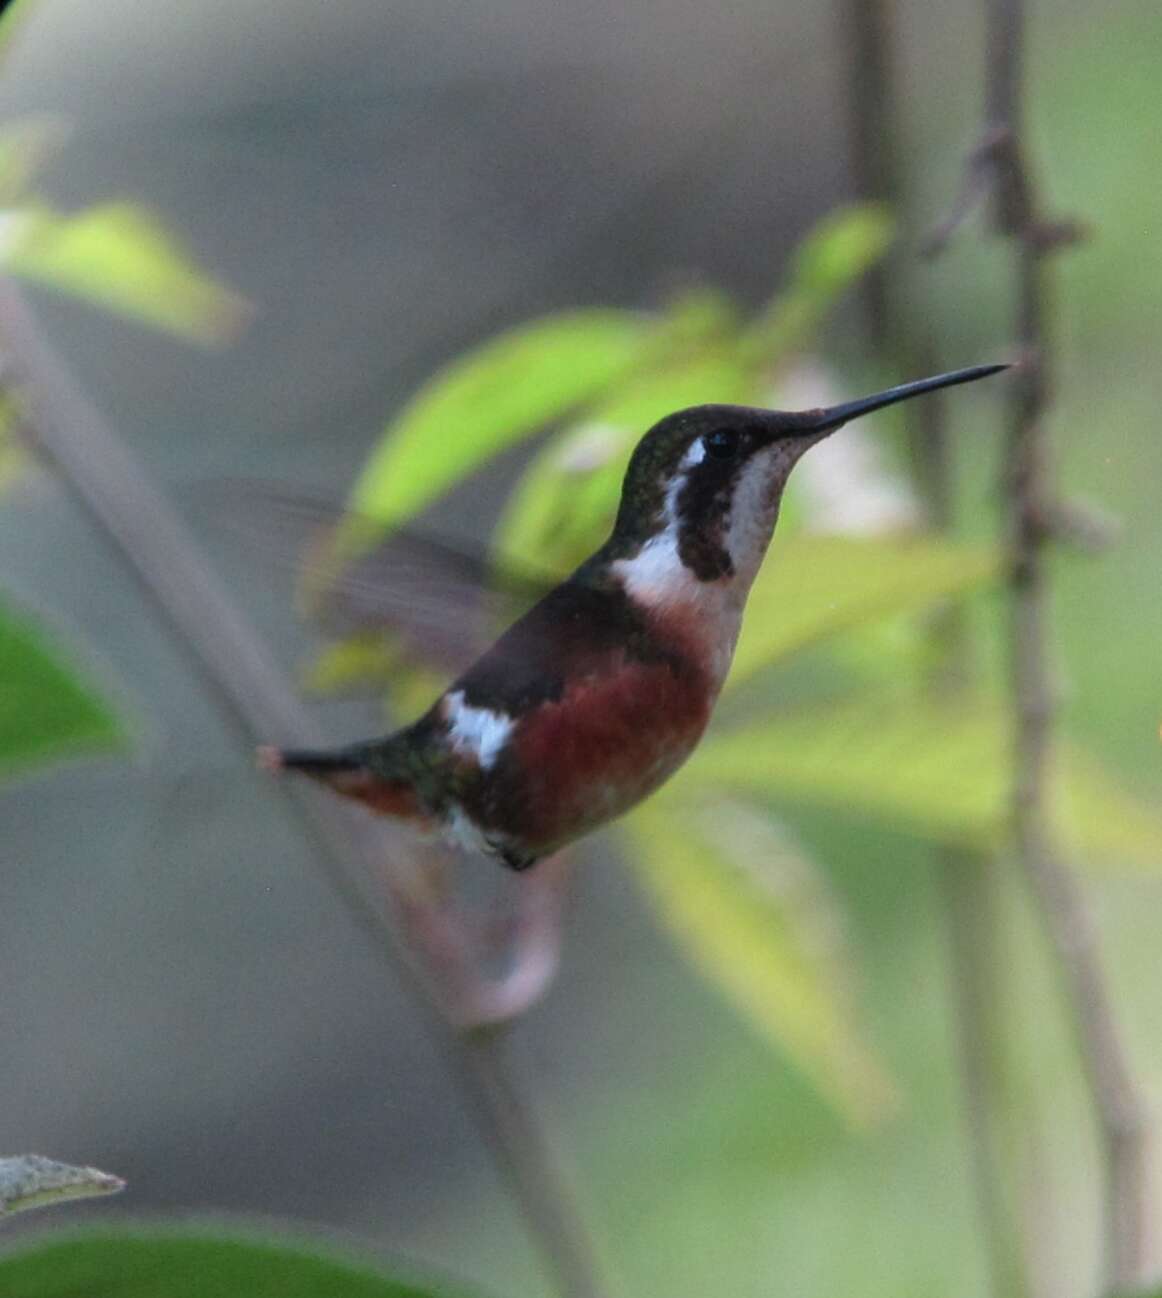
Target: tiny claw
(268, 758)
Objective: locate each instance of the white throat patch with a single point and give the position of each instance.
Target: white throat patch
(656, 574)
(657, 578)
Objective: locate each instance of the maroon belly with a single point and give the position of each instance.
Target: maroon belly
(608, 743)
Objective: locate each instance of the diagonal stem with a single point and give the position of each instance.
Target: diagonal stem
(244, 676)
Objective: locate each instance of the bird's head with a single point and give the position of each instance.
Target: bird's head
(703, 487)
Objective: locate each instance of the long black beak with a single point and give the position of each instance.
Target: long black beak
(807, 422)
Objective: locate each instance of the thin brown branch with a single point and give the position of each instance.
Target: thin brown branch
(1082, 525)
(440, 960)
(866, 29)
(875, 151)
(1029, 492)
(524, 1150)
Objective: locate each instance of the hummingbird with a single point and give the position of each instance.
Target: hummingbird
(598, 694)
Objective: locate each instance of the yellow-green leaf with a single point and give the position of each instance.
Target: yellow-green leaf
(355, 662)
(491, 398)
(942, 771)
(892, 757)
(1104, 822)
(695, 318)
(564, 505)
(413, 688)
(836, 253)
(811, 587)
(117, 256)
(755, 917)
(840, 249)
(380, 661)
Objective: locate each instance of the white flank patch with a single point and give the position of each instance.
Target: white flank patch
(476, 732)
(461, 831)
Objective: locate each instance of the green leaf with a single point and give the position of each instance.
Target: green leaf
(378, 660)
(940, 771)
(563, 506)
(30, 1181)
(488, 400)
(46, 711)
(352, 663)
(117, 256)
(841, 249)
(126, 1264)
(811, 587)
(836, 253)
(696, 318)
(755, 916)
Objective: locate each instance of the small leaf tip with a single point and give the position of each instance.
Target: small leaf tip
(32, 1181)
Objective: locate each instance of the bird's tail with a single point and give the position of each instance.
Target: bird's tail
(348, 771)
(319, 762)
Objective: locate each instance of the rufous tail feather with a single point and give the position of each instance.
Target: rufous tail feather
(346, 772)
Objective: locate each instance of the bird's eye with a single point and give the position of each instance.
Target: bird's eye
(722, 443)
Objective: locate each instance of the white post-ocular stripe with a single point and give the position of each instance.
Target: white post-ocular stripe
(476, 732)
(695, 454)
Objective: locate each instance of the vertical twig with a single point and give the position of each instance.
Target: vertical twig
(879, 173)
(974, 897)
(866, 29)
(1028, 491)
(435, 954)
(970, 881)
(999, 167)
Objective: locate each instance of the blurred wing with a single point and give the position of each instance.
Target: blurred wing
(444, 600)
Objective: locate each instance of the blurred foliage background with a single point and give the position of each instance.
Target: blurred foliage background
(390, 188)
